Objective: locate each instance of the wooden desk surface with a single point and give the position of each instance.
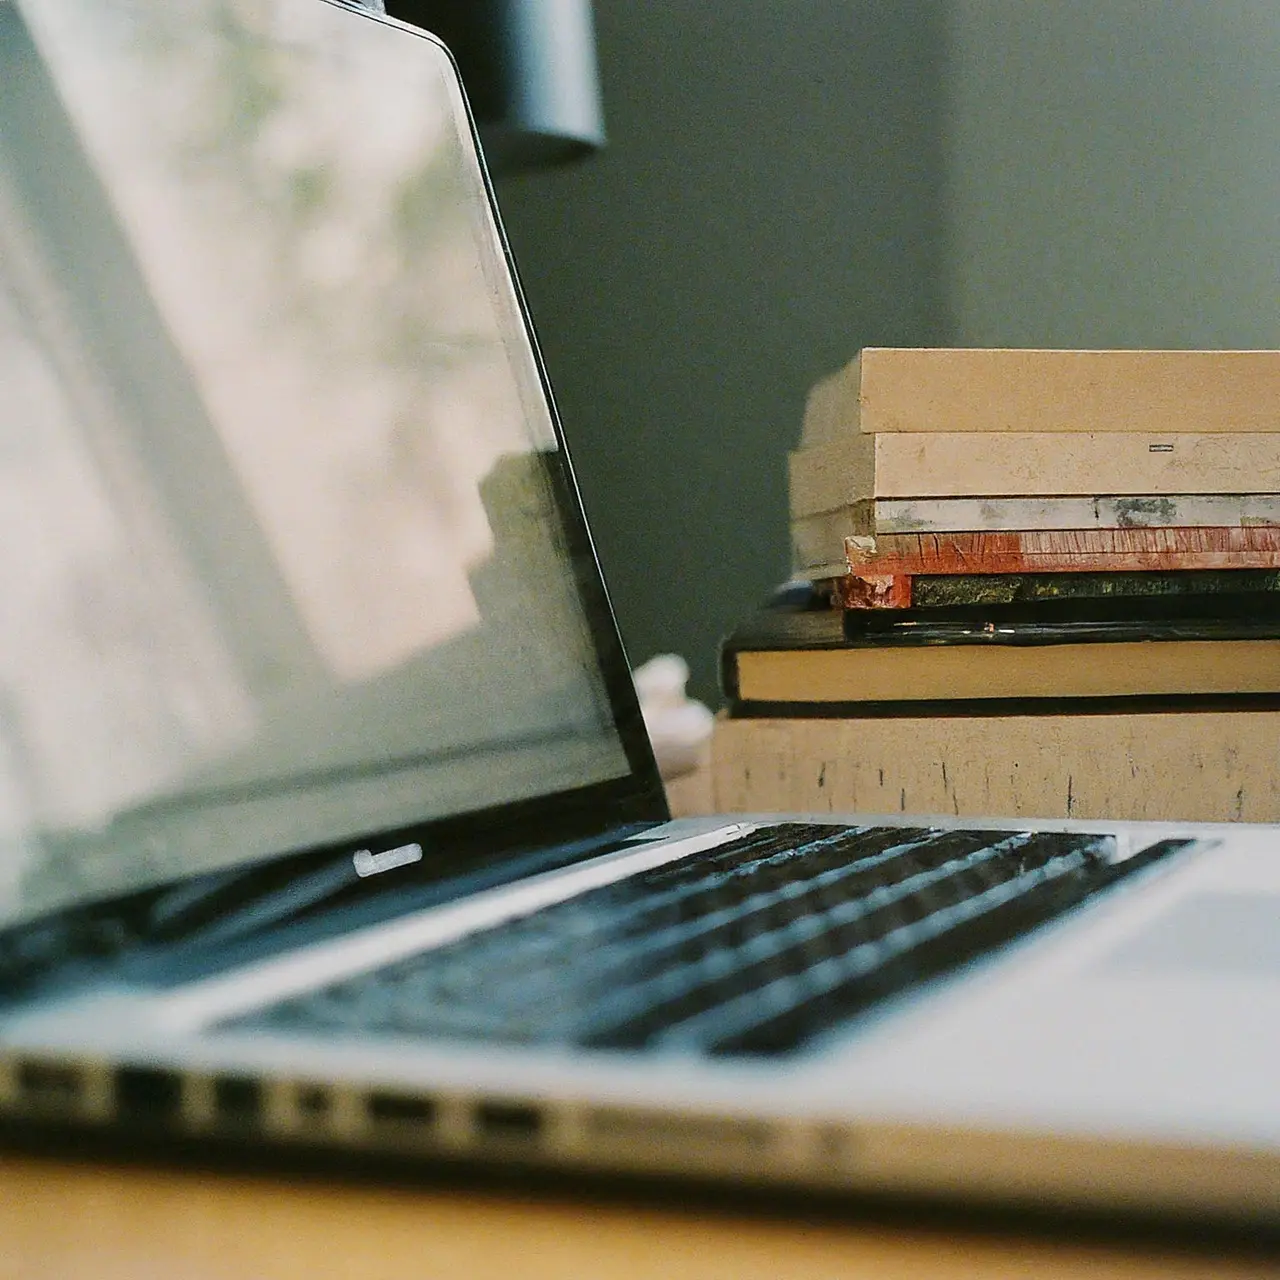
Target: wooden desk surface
(89, 1221)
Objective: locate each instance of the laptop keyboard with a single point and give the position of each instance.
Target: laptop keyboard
(752, 948)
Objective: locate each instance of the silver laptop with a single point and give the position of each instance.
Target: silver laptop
(327, 816)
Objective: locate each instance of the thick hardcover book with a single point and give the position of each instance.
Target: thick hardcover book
(1098, 607)
(995, 390)
(906, 591)
(1138, 592)
(1109, 668)
(1163, 765)
(1047, 651)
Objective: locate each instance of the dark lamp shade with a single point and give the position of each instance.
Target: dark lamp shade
(529, 68)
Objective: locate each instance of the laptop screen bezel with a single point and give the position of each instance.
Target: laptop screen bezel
(456, 842)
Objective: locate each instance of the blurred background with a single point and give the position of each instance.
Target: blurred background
(786, 181)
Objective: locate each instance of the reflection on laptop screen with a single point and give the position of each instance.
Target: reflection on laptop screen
(279, 552)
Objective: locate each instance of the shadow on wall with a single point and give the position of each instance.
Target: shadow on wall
(768, 202)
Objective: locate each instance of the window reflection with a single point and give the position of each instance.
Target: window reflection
(274, 502)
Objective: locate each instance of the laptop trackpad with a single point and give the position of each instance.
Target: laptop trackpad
(1157, 1010)
(1210, 933)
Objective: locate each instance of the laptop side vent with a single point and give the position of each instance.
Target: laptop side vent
(386, 1109)
(148, 1097)
(54, 1088)
(237, 1102)
(505, 1121)
(313, 1103)
(49, 1086)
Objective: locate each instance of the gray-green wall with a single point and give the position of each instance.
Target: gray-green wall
(769, 201)
(789, 180)
(1114, 172)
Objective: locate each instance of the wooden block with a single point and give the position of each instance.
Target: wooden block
(994, 390)
(951, 464)
(1198, 766)
(1123, 511)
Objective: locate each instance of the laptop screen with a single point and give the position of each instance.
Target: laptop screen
(289, 550)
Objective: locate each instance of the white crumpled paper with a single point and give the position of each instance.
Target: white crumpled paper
(679, 726)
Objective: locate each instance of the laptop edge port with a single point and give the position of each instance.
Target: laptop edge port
(49, 1086)
(148, 1096)
(312, 1102)
(508, 1121)
(237, 1100)
(384, 1107)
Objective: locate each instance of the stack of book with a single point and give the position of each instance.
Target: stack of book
(1048, 583)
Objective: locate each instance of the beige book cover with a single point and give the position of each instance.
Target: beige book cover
(949, 672)
(993, 390)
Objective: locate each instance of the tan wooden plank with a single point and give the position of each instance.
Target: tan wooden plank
(955, 464)
(993, 390)
(1119, 511)
(1162, 766)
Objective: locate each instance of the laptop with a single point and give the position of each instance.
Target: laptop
(327, 816)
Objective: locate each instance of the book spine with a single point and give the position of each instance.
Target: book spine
(1000, 390)
(1196, 766)
(1110, 668)
(1045, 463)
